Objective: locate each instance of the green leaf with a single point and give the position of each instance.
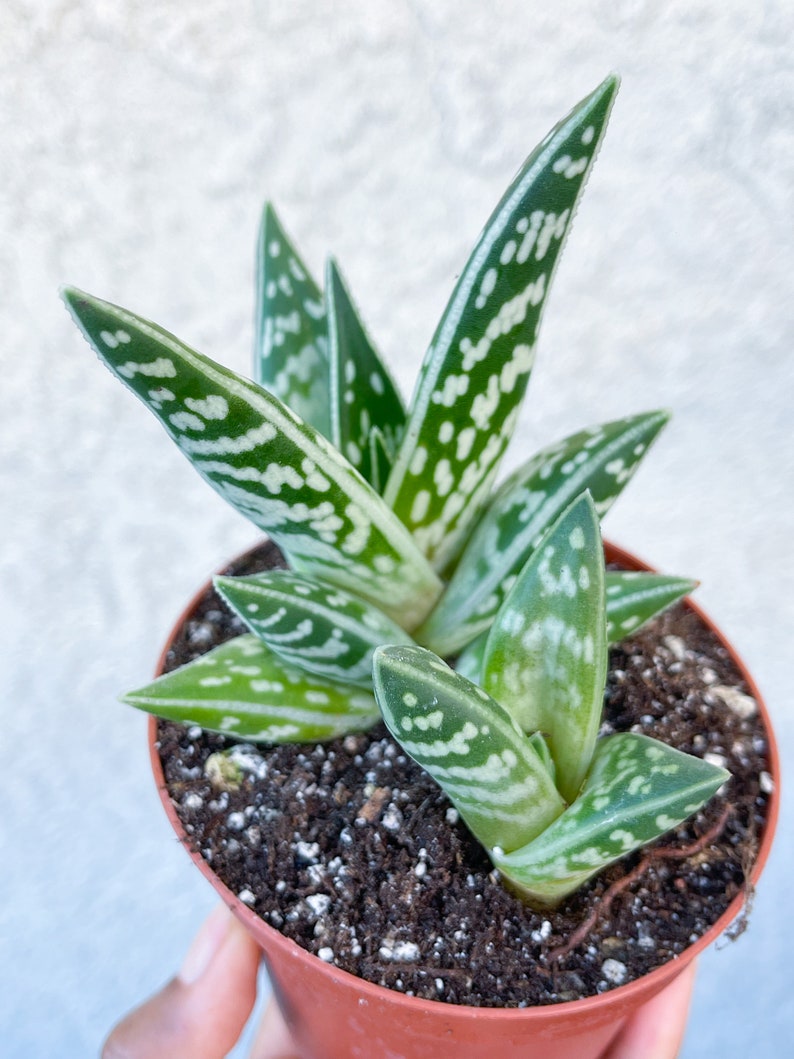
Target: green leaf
(243, 690)
(469, 662)
(634, 598)
(380, 460)
(637, 789)
(601, 459)
(468, 744)
(312, 625)
(538, 743)
(266, 462)
(478, 364)
(291, 342)
(546, 656)
(362, 390)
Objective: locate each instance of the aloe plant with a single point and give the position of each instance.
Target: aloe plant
(518, 752)
(388, 517)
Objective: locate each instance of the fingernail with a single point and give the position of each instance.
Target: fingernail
(205, 945)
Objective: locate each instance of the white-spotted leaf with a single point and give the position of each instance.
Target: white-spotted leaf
(265, 461)
(312, 625)
(468, 744)
(363, 395)
(601, 459)
(291, 341)
(476, 370)
(546, 656)
(637, 789)
(243, 689)
(633, 598)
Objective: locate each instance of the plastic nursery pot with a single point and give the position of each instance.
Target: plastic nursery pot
(335, 1015)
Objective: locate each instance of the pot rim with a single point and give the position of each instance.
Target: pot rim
(547, 1012)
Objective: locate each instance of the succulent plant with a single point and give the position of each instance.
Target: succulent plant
(399, 547)
(517, 751)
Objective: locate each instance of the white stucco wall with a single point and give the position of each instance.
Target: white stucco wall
(137, 142)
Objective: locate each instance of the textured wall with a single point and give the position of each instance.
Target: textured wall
(136, 144)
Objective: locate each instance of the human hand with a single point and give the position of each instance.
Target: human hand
(201, 1012)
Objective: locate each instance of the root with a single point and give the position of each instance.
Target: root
(661, 853)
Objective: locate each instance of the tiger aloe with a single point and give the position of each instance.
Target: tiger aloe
(518, 752)
(386, 512)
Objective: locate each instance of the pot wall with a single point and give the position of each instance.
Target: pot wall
(334, 1015)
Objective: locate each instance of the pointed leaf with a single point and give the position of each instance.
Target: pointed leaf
(634, 598)
(244, 690)
(468, 744)
(637, 789)
(312, 625)
(291, 342)
(476, 370)
(362, 392)
(601, 459)
(267, 463)
(546, 656)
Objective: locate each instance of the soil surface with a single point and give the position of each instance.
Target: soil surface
(351, 850)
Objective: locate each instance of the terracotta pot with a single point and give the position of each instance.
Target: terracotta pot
(335, 1015)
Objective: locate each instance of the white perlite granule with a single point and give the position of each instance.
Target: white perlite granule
(614, 971)
(543, 933)
(398, 951)
(318, 903)
(307, 852)
(766, 783)
(742, 705)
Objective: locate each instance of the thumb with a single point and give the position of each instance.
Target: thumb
(200, 1013)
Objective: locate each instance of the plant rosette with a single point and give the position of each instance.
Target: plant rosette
(399, 553)
(334, 1014)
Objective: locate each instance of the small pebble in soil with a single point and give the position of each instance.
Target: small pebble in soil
(614, 971)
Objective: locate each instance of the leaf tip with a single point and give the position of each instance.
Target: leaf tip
(73, 298)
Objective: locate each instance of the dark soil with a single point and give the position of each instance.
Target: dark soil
(351, 850)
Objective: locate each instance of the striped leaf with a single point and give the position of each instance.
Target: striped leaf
(601, 459)
(634, 598)
(291, 341)
(244, 690)
(312, 625)
(637, 789)
(266, 462)
(468, 744)
(476, 369)
(546, 656)
(362, 392)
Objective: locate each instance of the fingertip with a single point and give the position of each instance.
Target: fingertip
(206, 944)
(273, 1040)
(201, 1012)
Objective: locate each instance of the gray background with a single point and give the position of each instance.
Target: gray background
(137, 143)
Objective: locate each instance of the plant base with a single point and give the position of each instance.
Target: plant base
(625, 943)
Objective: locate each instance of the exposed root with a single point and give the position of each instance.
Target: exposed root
(661, 853)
